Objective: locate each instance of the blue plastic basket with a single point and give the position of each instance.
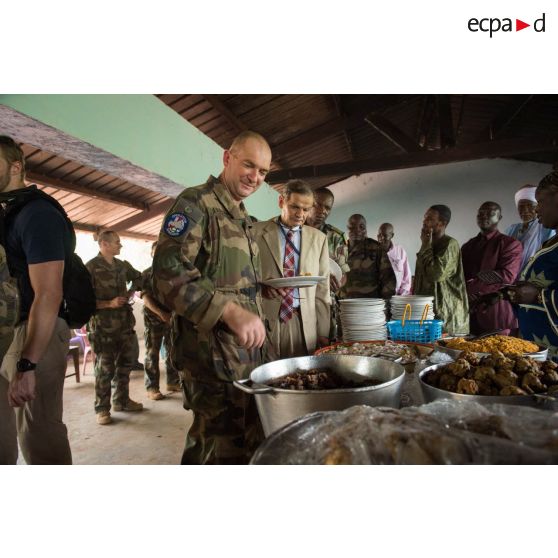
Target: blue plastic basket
(414, 331)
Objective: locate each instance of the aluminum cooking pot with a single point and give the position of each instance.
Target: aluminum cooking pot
(432, 393)
(278, 407)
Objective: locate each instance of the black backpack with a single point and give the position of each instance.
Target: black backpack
(79, 301)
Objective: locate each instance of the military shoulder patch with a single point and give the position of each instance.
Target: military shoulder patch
(176, 224)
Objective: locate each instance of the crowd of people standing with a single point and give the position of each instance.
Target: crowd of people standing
(207, 300)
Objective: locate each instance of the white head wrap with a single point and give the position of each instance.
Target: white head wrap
(526, 193)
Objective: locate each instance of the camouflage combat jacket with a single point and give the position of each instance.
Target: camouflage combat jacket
(109, 281)
(149, 317)
(371, 274)
(337, 244)
(206, 256)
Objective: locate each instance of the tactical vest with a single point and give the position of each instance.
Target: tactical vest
(79, 301)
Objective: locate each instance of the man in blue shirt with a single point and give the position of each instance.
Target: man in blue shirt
(37, 240)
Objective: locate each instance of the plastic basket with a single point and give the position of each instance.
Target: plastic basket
(417, 331)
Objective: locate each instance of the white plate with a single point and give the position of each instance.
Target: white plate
(335, 270)
(362, 301)
(298, 282)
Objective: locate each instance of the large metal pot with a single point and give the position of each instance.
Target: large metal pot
(432, 393)
(278, 407)
(541, 355)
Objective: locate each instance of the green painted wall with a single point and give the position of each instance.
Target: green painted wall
(140, 129)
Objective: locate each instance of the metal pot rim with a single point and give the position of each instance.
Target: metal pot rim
(479, 398)
(318, 392)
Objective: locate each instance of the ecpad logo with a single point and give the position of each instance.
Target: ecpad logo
(492, 25)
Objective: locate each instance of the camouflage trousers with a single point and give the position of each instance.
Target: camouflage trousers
(226, 428)
(155, 335)
(114, 358)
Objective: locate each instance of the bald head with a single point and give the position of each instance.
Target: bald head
(385, 236)
(248, 136)
(245, 165)
(356, 226)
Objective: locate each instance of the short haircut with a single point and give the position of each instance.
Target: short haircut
(154, 245)
(443, 211)
(357, 216)
(496, 205)
(325, 191)
(106, 236)
(243, 137)
(296, 187)
(549, 182)
(12, 152)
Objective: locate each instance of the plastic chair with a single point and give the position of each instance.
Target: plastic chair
(82, 334)
(74, 353)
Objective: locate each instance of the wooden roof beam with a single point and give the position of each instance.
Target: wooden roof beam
(135, 220)
(93, 229)
(392, 133)
(504, 118)
(334, 126)
(45, 180)
(224, 111)
(425, 120)
(445, 120)
(496, 148)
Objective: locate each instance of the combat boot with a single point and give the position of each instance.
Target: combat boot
(154, 395)
(103, 417)
(128, 407)
(174, 387)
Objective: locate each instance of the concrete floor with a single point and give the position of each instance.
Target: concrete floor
(154, 436)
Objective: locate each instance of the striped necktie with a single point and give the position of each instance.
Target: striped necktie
(286, 311)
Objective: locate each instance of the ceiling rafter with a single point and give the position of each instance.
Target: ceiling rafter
(226, 113)
(445, 121)
(425, 121)
(496, 148)
(392, 133)
(504, 117)
(138, 219)
(95, 230)
(340, 112)
(83, 190)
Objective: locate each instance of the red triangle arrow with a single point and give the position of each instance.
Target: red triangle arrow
(519, 25)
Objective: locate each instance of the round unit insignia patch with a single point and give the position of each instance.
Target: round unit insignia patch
(176, 224)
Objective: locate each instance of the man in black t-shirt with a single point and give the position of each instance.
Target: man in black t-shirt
(37, 240)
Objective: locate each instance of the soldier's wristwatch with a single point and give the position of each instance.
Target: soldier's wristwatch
(25, 365)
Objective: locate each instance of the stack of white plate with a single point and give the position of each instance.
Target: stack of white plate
(363, 319)
(398, 303)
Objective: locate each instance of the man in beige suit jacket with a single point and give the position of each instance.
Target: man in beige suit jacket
(308, 328)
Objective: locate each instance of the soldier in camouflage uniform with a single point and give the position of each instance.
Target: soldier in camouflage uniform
(206, 269)
(371, 274)
(338, 251)
(157, 329)
(111, 329)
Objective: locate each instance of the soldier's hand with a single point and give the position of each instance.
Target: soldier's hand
(165, 316)
(118, 301)
(22, 389)
(247, 327)
(333, 283)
